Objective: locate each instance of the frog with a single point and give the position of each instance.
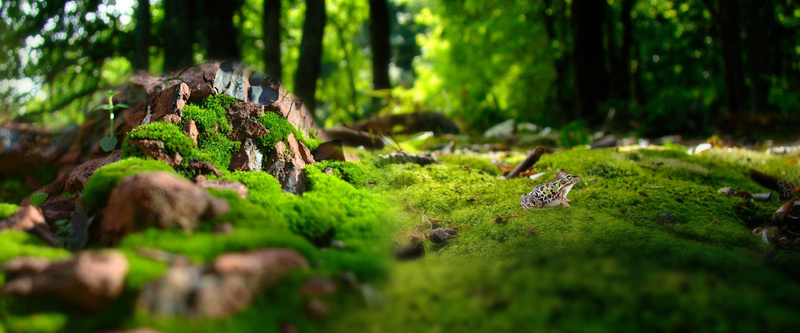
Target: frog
(550, 194)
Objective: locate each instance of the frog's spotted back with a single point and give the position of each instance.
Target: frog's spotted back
(550, 194)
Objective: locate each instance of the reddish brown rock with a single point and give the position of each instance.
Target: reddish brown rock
(227, 285)
(57, 208)
(80, 174)
(223, 185)
(190, 129)
(158, 199)
(248, 158)
(91, 279)
(286, 164)
(166, 105)
(155, 149)
(31, 220)
(244, 121)
(318, 286)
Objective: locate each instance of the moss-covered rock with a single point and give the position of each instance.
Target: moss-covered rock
(210, 113)
(170, 134)
(279, 130)
(7, 209)
(99, 186)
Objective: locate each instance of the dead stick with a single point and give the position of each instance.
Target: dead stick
(529, 161)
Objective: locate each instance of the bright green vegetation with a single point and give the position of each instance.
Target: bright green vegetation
(608, 263)
(7, 209)
(279, 130)
(99, 186)
(217, 149)
(210, 113)
(172, 136)
(480, 164)
(356, 173)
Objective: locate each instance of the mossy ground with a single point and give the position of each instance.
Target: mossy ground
(647, 245)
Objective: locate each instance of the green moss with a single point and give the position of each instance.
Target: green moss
(17, 244)
(217, 149)
(7, 209)
(355, 173)
(474, 162)
(99, 186)
(210, 113)
(279, 130)
(35, 323)
(172, 136)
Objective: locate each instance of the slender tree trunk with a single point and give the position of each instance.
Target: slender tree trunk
(305, 82)
(760, 21)
(141, 50)
(272, 38)
(561, 59)
(221, 34)
(729, 28)
(178, 35)
(379, 40)
(591, 75)
(623, 77)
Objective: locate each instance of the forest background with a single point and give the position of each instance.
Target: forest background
(695, 67)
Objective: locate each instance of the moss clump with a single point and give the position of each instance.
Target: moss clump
(172, 136)
(355, 173)
(22, 244)
(210, 112)
(7, 209)
(99, 186)
(217, 149)
(279, 130)
(474, 162)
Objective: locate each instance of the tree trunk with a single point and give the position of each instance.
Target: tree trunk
(305, 82)
(591, 75)
(729, 29)
(760, 21)
(178, 35)
(272, 38)
(622, 78)
(561, 59)
(141, 50)
(221, 35)
(379, 40)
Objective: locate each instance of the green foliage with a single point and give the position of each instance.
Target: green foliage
(99, 186)
(574, 134)
(217, 149)
(7, 209)
(38, 199)
(279, 129)
(209, 113)
(172, 136)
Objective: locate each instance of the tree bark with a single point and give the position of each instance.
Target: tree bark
(272, 38)
(178, 35)
(560, 62)
(308, 65)
(379, 40)
(591, 75)
(729, 29)
(760, 21)
(141, 50)
(221, 34)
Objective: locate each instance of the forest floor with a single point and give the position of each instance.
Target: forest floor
(648, 244)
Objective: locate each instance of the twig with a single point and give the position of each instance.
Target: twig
(529, 161)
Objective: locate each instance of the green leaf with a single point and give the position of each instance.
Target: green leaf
(61, 222)
(38, 198)
(108, 143)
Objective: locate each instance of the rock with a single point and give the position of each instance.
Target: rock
(199, 168)
(157, 199)
(227, 285)
(762, 196)
(166, 105)
(80, 174)
(155, 149)
(249, 158)
(726, 191)
(409, 246)
(605, 141)
(287, 165)
(31, 220)
(318, 286)
(667, 218)
(55, 209)
(440, 235)
(231, 80)
(403, 157)
(222, 185)
(317, 309)
(334, 151)
(408, 123)
(224, 228)
(244, 121)
(504, 130)
(53, 190)
(788, 211)
(190, 129)
(91, 279)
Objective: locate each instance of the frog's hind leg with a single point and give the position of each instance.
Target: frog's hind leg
(564, 201)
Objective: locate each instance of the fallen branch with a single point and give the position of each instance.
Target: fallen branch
(782, 186)
(529, 161)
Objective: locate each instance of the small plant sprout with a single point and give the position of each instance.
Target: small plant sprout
(108, 143)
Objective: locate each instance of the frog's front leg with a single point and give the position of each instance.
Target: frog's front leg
(564, 201)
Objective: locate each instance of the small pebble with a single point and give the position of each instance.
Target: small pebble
(726, 191)
(762, 196)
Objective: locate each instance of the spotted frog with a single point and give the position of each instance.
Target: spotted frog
(550, 194)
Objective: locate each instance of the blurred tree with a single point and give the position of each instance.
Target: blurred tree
(141, 50)
(588, 58)
(271, 23)
(179, 34)
(308, 66)
(379, 31)
(221, 36)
